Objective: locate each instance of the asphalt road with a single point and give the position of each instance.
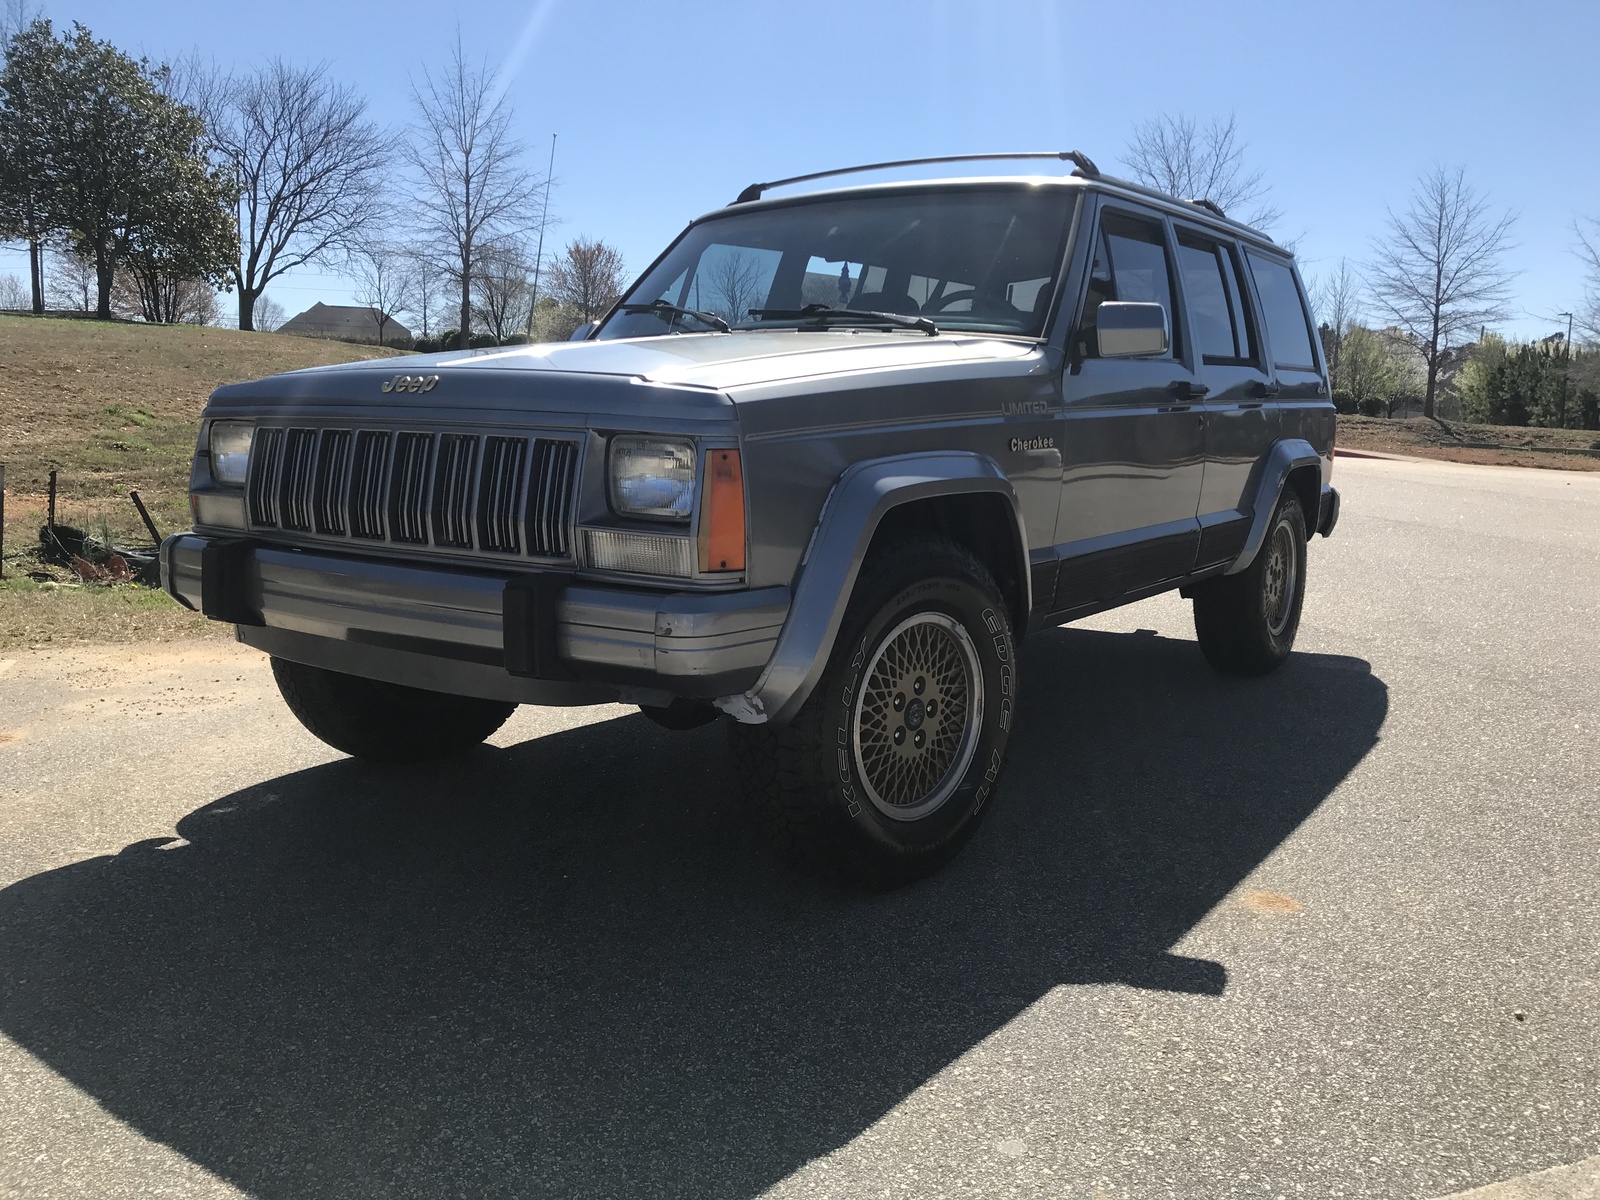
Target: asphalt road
(1331, 933)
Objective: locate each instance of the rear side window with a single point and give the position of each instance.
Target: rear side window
(1130, 264)
(1216, 313)
(1284, 312)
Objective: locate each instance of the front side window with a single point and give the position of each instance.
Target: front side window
(1284, 313)
(1130, 264)
(983, 259)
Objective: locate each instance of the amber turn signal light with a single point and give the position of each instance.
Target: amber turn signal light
(722, 522)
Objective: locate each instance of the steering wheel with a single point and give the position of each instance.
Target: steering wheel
(982, 306)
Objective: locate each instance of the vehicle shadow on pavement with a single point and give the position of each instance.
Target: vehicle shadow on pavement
(568, 968)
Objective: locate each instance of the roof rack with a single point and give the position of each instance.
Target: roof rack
(1084, 164)
(1211, 206)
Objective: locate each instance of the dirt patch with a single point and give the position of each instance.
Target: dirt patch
(1490, 445)
(1270, 902)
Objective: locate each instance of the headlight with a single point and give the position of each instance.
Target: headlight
(652, 477)
(230, 451)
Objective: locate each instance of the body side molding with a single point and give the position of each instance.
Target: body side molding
(1286, 456)
(864, 494)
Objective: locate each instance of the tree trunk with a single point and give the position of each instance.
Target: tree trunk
(36, 275)
(466, 300)
(1433, 376)
(247, 308)
(103, 273)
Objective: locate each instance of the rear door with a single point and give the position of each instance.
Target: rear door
(1241, 421)
(1302, 401)
(1132, 437)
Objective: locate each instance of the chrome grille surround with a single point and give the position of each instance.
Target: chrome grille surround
(499, 494)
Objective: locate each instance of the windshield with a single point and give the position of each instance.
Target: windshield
(978, 259)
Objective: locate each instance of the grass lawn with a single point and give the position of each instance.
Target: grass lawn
(1456, 441)
(113, 408)
(56, 614)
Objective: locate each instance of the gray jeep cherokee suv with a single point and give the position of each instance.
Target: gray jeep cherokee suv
(819, 470)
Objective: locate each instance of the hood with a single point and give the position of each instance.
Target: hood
(718, 361)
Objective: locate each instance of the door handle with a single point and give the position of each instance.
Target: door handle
(1265, 391)
(1186, 391)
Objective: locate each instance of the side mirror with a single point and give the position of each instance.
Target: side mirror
(1128, 330)
(582, 332)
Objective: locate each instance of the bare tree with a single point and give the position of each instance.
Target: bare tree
(13, 295)
(17, 15)
(425, 292)
(588, 276)
(73, 283)
(473, 190)
(1437, 271)
(269, 314)
(1336, 303)
(1589, 251)
(1178, 156)
(379, 269)
(503, 289)
(732, 285)
(163, 299)
(307, 160)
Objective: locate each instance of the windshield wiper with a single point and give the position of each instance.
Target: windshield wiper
(660, 306)
(821, 313)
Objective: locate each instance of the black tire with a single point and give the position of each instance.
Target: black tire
(1245, 623)
(838, 793)
(385, 722)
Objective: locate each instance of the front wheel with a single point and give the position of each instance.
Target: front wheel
(887, 768)
(1246, 623)
(385, 722)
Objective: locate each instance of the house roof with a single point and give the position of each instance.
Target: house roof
(349, 321)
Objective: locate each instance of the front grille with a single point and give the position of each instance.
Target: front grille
(299, 480)
(500, 494)
(550, 498)
(366, 483)
(408, 488)
(505, 465)
(333, 459)
(266, 468)
(452, 490)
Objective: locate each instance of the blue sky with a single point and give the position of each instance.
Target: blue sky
(665, 111)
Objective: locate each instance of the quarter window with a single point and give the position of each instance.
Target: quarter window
(1130, 264)
(1284, 312)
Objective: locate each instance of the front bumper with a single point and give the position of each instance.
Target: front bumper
(538, 638)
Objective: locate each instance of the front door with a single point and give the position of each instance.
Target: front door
(1133, 434)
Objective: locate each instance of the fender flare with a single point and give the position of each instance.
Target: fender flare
(864, 494)
(1287, 456)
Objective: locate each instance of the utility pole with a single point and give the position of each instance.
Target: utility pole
(538, 255)
(1566, 362)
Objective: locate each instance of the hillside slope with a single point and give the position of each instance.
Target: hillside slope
(114, 407)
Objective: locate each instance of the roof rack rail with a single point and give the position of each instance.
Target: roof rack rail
(1211, 206)
(1083, 163)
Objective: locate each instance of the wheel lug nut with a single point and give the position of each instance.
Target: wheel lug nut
(900, 736)
(899, 702)
(919, 739)
(933, 707)
(919, 685)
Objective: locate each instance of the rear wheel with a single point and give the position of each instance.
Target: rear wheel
(886, 770)
(385, 722)
(1246, 623)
